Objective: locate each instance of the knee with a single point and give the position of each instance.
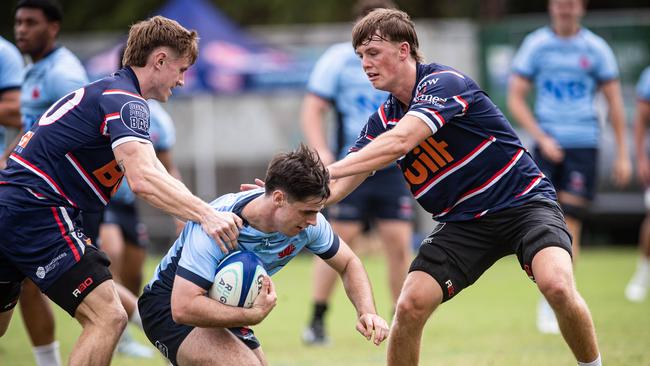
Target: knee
(111, 317)
(413, 309)
(557, 290)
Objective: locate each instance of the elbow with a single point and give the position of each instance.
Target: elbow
(179, 313)
(402, 146)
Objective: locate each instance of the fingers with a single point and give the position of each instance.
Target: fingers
(372, 323)
(260, 183)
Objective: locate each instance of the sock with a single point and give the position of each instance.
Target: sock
(596, 362)
(319, 311)
(643, 266)
(135, 317)
(47, 355)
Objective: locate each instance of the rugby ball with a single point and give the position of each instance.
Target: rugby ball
(238, 280)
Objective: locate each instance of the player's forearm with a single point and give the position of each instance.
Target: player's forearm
(641, 120)
(357, 287)
(10, 108)
(384, 150)
(617, 116)
(202, 311)
(524, 115)
(341, 187)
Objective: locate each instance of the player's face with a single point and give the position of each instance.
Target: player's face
(566, 13)
(380, 60)
(34, 33)
(296, 216)
(172, 74)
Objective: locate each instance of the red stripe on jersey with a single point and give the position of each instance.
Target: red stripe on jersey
(108, 117)
(531, 185)
(67, 239)
(462, 102)
(437, 116)
(43, 176)
(120, 91)
(382, 116)
(87, 178)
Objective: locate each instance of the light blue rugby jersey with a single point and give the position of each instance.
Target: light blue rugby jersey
(11, 73)
(48, 80)
(195, 256)
(339, 78)
(566, 73)
(643, 86)
(163, 137)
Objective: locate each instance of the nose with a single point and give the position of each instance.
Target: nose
(181, 80)
(312, 220)
(365, 63)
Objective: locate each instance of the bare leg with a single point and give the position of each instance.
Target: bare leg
(5, 319)
(37, 314)
(553, 273)
(113, 245)
(103, 319)
(420, 296)
(574, 224)
(231, 351)
(637, 288)
(396, 236)
(133, 262)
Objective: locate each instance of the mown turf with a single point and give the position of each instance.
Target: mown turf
(491, 323)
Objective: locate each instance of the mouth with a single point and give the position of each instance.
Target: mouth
(372, 76)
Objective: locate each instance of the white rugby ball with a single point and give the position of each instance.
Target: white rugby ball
(238, 280)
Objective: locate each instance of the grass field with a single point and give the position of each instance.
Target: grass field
(491, 323)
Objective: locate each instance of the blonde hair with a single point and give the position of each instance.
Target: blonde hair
(158, 31)
(388, 24)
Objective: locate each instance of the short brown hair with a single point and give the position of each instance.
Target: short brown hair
(389, 24)
(158, 31)
(300, 174)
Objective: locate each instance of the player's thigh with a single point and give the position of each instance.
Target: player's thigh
(396, 235)
(133, 261)
(102, 307)
(215, 346)
(456, 254)
(348, 230)
(5, 319)
(112, 241)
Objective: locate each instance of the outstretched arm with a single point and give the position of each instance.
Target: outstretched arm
(149, 180)
(641, 120)
(357, 286)
(622, 166)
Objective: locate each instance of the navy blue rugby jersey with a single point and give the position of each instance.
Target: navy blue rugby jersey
(66, 158)
(473, 162)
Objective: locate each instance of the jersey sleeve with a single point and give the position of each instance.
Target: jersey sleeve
(162, 131)
(373, 128)
(11, 68)
(323, 80)
(606, 67)
(323, 241)
(200, 257)
(643, 86)
(523, 64)
(440, 97)
(126, 117)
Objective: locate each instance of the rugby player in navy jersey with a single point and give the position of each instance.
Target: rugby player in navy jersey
(466, 166)
(73, 159)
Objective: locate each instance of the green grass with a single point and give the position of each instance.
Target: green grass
(491, 323)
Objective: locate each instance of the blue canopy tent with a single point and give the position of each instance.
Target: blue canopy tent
(230, 60)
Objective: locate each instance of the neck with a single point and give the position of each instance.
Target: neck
(142, 74)
(44, 52)
(404, 90)
(259, 214)
(566, 30)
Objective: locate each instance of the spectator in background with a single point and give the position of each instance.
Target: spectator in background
(11, 76)
(567, 64)
(122, 234)
(637, 289)
(338, 82)
(52, 73)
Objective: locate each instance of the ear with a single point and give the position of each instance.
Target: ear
(279, 198)
(159, 57)
(404, 51)
(54, 27)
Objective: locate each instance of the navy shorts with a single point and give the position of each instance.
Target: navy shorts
(167, 335)
(576, 174)
(456, 254)
(48, 245)
(381, 196)
(126, 217)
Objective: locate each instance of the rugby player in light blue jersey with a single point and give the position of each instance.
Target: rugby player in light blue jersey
(466, 166)
(282, 219)
(567, 64)
(383, 202)
(637, 289)
(11, 76)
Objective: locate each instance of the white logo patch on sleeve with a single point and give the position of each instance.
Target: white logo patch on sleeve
(135, 116)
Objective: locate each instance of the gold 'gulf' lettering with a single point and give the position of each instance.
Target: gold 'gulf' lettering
(431, 156)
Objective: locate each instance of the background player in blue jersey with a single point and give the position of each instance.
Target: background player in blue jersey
(279, 221)
(339, 82)
(637, 289)
(11, 71)
(567, 64)
(53, 72)
(466, 166)
(72, 160)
